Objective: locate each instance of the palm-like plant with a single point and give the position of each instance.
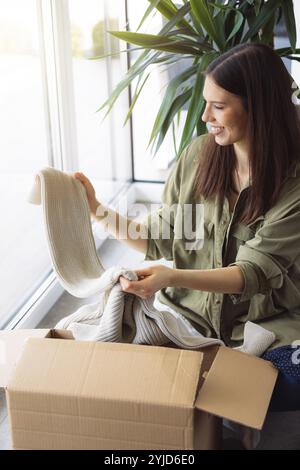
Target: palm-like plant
(200, 30)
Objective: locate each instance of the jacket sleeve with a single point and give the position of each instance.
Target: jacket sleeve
(266, 258)
(160, 224)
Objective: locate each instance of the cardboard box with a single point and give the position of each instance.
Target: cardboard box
(67, 394)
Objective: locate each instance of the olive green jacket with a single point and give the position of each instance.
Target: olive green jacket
(267, 251)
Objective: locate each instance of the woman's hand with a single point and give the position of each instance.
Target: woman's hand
(152, 280)
(90, 192)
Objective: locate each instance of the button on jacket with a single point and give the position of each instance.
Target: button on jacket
(267, 251)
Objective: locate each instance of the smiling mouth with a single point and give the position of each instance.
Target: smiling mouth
(215, 130)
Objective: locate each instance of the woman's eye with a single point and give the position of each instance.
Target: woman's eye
(218, 107)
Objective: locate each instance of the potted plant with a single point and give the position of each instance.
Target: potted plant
(200, 30)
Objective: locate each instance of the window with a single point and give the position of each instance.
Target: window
(46, 74)
(23, 150)
(146, 165)
(104, 149)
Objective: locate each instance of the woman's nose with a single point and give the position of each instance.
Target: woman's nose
(205, 115)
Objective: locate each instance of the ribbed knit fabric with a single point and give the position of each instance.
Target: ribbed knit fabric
(117, 316)
(256, 339)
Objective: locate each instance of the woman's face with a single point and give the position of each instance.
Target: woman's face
(224, 114)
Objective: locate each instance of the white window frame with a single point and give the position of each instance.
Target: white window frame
(57, 66)
(57, 73)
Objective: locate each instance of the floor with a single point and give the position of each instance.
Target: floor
(281, 430)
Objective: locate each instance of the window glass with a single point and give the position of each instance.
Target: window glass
(148, 166)
(23, 151)
(103, 145)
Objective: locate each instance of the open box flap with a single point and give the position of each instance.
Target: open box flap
(11, 346)
(238, 387)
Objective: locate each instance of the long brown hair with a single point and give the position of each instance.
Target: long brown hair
(256, 74)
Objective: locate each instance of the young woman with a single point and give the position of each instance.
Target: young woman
(246, 175)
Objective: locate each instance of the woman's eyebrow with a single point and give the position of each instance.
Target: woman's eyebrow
(220, 102)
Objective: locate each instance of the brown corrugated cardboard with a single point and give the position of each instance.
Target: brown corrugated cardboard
(238, 387)
(11, 347)
(12, 343)
(86, 395)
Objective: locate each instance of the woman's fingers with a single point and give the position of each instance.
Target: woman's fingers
(129, 284)
(123, 282)
(85, 181)
(80, 176)
(133, 287)
(90, 191)
(143, 272)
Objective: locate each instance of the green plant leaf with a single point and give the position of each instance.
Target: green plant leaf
(220, 21)
(168, 10)
(136, 69)
(150, 8)
(289, 19)
(183, 33)
(178, 21)
(111, 54)
(230, 21)
(169, 98)
(136, 95)
(262, 18)
(157, 42)
(292, 58)
(219, 6)
(286, 50)
(220, 27)
(196, 104)
(171, 59)
(237, 26)
(267, 36)
(203, 15)
(176, 106)
(197, 24)
(174, 137)
(165, 31)
(201, 126)
(256, 4)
